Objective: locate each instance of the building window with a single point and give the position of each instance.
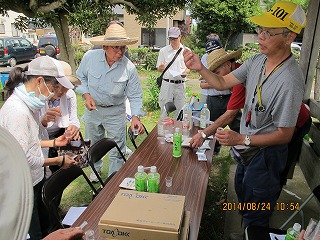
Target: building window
(2, 28)
(15, 32)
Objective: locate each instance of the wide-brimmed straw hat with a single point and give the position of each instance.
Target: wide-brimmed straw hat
(115, 36)
(220, 56)
(68, 73)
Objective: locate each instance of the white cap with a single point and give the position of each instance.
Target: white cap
(140, 168)
(297, 227)
(153, 169)
(48, 66)
(174, 32)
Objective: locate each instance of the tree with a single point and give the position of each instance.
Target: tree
(57, 12)
(224, 17)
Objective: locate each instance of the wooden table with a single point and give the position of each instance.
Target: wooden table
(190, 178)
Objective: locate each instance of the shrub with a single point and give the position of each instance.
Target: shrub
(151, 60)
(79, 51)
(150, 100)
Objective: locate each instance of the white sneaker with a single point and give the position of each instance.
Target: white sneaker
(93, 178)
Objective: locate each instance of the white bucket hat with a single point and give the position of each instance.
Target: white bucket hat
(68, 73)
(115, 36)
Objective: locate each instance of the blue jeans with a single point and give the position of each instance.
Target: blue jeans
(258, 184)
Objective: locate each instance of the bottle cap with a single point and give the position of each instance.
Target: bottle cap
(297, 227)
(177, 130)
(140, 168)
(153, 169)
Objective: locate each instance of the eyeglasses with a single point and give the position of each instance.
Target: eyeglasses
(266, 34)
(172, 39)
(117, 48)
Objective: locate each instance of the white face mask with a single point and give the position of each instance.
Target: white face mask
(44, 98)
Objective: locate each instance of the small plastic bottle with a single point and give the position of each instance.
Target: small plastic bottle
(185, 125)
(204, 116)
(177, 141)
(293, 233)
(141, 180)
(153, 180)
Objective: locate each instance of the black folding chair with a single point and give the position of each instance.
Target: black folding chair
(54, 187)
(133, 137)
(97, 151)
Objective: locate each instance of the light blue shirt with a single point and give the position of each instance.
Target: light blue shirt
(211, 91)
(110, 85)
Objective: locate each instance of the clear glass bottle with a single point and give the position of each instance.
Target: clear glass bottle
(141, 179)
(153, 180)
(204, 116)
(293, 233)
(177, 141)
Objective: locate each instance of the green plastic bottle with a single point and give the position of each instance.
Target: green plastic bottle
(293, 233)
(141, 179)
(177, 141)
(153, 180)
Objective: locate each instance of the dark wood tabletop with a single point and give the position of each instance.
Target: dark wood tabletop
(190, 179)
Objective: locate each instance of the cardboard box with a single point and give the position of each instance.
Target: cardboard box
(143, 216)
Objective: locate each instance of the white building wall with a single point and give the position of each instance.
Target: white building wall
(10, 31)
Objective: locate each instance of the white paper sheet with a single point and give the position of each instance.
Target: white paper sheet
(277, 236)
(72, 215)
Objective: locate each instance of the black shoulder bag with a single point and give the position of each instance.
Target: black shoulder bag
(159, 79)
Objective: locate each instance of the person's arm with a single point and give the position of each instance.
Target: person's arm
(50, 115)
(56, 142)
(72, 108)
(215, 81)
(64, 161)
(66, 234)
(279, 136)
(222, 121)
(134, 94)
(160, 61)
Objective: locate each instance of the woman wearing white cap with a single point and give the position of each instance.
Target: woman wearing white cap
(20, 116)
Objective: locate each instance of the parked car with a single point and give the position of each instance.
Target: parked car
(48, 45)
(16, 49)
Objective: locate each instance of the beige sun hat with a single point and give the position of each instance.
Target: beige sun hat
(115, 36)
(220, 56)
(68, 73)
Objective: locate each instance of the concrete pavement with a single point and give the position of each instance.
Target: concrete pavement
(295, 192)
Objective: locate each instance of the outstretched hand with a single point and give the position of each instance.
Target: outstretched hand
(192, 60)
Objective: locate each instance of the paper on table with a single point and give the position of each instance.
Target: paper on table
(72, 215)
(174, 73)
(277, 236)
(128, 183)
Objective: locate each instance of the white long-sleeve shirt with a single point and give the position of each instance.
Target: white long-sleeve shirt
(68, 108)
(23, 124)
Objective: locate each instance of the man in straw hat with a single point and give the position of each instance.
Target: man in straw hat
(274, 91)
(108, 78)
(173, 86)
(221, 63)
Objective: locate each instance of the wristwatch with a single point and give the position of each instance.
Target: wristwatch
(203, 135)
(247, 140)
